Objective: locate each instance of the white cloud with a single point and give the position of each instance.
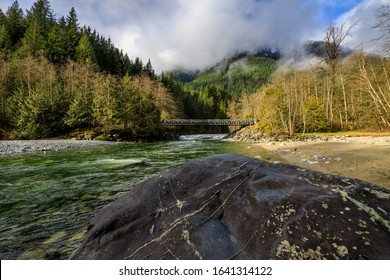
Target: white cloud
(363, 34)
(199, 33)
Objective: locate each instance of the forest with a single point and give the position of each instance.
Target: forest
(60, 79)
(337, 93)
(56, 77)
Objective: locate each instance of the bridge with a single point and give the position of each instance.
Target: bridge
(222, 122)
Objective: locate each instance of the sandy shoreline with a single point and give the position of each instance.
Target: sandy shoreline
(365, 158)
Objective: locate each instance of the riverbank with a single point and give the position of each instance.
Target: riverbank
(366, 158)
(27, 146)
(363, 157)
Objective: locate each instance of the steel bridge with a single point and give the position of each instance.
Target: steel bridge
(221, 122)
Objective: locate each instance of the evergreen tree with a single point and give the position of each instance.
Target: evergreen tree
(42, 14)
(3, 18)
(148, 70)
(72, 33)
(126, 91)
(143, 114)
(125, 63)
(40, 21)
(57, 43)
(5, 39)
(104, 104)
(33, 42)
(78, 116)
(137, 67)
(84, 52)
(80, 81)
(15, 23)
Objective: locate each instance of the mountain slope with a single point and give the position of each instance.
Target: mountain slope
(244, 75)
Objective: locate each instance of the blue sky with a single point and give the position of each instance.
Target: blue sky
(199, 33)
(332, 10)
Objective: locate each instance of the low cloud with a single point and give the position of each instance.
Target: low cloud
(197, 34)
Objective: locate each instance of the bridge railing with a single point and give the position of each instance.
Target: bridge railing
(223, 122)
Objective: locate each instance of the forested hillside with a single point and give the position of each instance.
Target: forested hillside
(209, 93)
(56, 77)
(344, 90)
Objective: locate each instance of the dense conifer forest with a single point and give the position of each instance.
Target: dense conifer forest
(57, 77)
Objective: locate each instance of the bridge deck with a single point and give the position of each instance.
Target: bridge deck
(223, 122)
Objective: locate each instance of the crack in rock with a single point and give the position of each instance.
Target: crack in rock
(235, 207)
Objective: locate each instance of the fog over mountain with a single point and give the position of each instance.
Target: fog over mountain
(198, 34)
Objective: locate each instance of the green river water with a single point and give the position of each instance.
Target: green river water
(47, 199)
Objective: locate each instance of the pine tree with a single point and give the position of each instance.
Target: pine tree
(72, 33)
(15, 23)
(148, 70)
(5, 39)
(33, 42)
(40, 21)
(42, 14)
(137, 67)
(84, 52)
(57, 43)
(104, 104)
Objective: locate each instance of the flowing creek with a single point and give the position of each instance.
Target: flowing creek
(47, 199)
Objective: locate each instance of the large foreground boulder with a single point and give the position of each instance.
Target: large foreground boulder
(235, 207)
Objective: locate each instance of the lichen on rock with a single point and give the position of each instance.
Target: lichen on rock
(235, 207)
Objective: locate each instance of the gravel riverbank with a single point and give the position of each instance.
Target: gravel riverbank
(29, 146)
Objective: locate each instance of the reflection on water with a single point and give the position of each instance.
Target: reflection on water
(48, 199)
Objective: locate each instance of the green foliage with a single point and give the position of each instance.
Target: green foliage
(143, 115)
(33, 43)
(72, 33)
(39, 34)
(36, 115)
(104, 104)
(41, 14)
(243, 75)
(84, 52)
(78, 114)
(209, 94)
(15, 23)
(56, 77)
(272, 112)
(5, 39)
(56, 43)
(316, 119)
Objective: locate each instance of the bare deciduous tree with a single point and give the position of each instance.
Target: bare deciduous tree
(334, 37)
(383, 24)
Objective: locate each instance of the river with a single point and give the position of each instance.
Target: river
(47, 199)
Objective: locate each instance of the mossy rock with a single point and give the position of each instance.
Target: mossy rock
(55, 237)
(103, 137)
(87, 197)
(36, 253)
(78, 236)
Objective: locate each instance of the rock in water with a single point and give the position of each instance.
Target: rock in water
(235, 207)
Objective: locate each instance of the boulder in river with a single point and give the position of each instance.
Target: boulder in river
(235, 207)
